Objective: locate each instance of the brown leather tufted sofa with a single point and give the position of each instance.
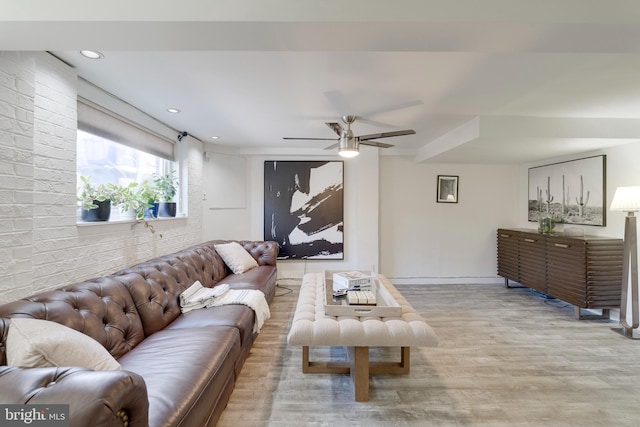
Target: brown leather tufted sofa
(177, 369)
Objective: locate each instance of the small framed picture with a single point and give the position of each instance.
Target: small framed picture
(447, 189)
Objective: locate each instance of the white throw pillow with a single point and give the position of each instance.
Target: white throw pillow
(34, 343)
(236, 257)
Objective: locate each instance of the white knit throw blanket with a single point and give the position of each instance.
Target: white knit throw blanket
(197, 296)
(252, 298)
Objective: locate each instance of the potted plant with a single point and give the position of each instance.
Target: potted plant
(95, 200)
(167, 187)
(124, 196)
(144, 204)
(148, 196)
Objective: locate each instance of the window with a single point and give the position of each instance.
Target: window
(114, 150)
(106, 161)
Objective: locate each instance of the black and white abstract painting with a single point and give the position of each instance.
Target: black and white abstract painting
(303, 208)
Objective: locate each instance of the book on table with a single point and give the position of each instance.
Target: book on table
(355, 280)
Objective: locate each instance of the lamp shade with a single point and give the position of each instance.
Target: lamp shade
(626, 199)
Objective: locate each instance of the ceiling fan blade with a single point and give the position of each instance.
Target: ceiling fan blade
(386, 134)
(311, 139)
(376, 144)
(331, 147)
(335, 127)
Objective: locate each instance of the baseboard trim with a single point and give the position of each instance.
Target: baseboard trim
(420, 280)
(446, 280)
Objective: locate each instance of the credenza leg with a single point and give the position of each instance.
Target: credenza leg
(579, 314)
(508, 286)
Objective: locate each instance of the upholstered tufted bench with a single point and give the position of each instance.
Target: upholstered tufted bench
(311, 327)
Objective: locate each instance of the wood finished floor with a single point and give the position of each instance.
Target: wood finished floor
(507, 357)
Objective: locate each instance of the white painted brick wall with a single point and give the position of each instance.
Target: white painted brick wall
(16, 173)
(194, 171)
(41, 245)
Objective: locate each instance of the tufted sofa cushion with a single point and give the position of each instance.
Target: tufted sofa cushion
(211, 264)
(155, 296)
(264, 252)
(156, 284)
(101, 308)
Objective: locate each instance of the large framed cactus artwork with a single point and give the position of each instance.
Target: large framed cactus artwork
(571, 192)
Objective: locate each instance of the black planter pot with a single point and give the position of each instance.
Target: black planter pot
(152, 211)
(102, 213)
(167, 209)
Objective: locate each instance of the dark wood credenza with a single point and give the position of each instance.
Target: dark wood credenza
(585, 271)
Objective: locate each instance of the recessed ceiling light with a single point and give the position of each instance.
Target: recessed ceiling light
(91, 54)
(173, 110)
(215, 137)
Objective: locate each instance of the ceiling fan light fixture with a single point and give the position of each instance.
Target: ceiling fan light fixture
(349, 144)
(348, 147)
(348, 152)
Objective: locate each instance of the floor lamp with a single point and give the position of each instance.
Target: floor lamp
(627, 199)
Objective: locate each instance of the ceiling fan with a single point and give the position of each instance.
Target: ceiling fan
(348, 144)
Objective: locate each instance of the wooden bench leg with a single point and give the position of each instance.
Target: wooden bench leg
(393, 368)
(359, 360)
(311, 367)
(305, 359)
(359, 367)
(405, 360)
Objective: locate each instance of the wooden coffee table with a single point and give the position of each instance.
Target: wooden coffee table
(312, 326)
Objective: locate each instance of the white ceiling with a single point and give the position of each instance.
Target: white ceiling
(482, 81)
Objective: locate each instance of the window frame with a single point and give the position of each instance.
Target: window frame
(106, 124)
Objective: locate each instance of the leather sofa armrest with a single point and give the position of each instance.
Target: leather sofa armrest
(95, 398)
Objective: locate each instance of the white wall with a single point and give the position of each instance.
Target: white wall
(360, 210)
(422, 241)
(392, 223)
(17, 92)
(42, 247)
(419, 240)
(225, 215)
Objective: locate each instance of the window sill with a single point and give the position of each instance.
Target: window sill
(130, 221)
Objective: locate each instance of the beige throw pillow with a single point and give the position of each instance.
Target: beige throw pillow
(34, 343)
(236, 257)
